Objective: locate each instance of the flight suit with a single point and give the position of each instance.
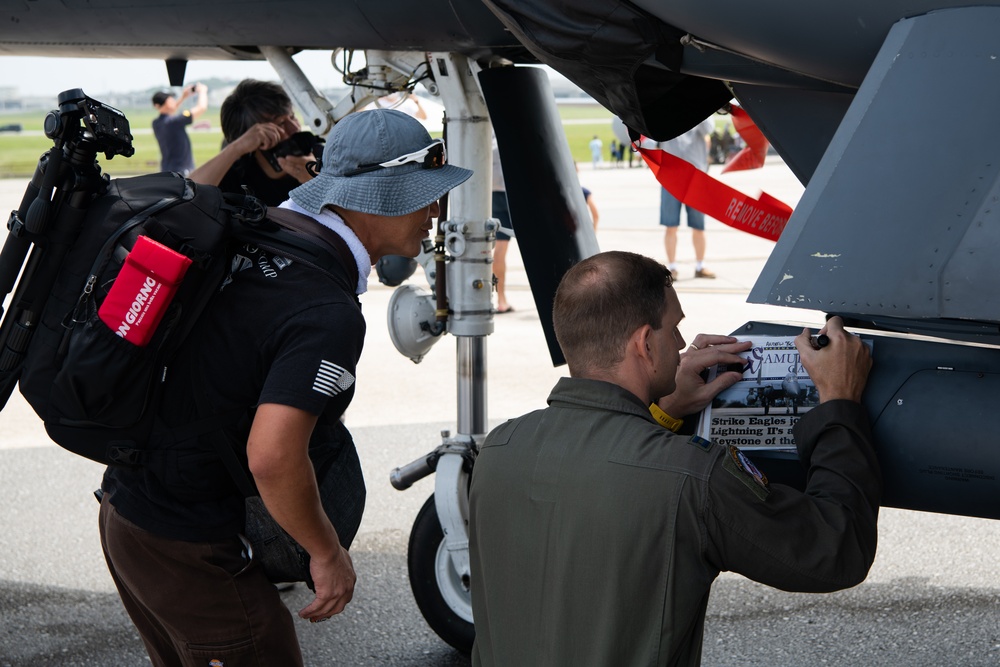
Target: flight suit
(596, 533)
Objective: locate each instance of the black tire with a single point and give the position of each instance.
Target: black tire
(424, 552)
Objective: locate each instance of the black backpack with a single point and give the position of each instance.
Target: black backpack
(95, 390)
(97, 393)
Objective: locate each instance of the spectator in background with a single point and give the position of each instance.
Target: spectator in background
(256, 117)
(588, 197)
(596, 145)
(617, 151)
(691, 146)
(504, 234)
(170, 127)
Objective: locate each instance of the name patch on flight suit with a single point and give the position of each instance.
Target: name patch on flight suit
(738, 465)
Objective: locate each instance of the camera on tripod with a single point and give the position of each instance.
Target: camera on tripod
(66, 179)
(105, 129)
(300, 143)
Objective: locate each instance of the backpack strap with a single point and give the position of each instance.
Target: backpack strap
(330, 239)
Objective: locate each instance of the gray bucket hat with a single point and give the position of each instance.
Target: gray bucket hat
(360, 143)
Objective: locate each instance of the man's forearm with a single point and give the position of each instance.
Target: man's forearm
(278, 454)
(292, 498)
(213, 171)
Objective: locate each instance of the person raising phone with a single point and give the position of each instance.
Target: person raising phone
(170, 127)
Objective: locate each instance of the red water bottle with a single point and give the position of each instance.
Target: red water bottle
(141, 293)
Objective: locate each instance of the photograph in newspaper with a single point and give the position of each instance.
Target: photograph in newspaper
(759, 411)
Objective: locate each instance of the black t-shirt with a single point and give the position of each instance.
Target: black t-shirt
(246, 171)
(278, 332)
(175, 147)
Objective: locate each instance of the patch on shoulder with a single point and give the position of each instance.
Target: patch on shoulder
(737, 464)
(701, 443)
(332, 379)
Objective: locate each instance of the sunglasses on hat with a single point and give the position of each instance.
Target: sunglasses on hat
(432, 156)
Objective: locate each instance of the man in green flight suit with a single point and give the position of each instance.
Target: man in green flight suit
(597, 531)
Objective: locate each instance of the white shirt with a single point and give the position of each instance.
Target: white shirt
(331, 220)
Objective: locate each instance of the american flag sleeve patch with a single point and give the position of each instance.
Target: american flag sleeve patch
(332, 379)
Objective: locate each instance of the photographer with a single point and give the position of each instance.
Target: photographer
(170, 127)
(274, 358)
(256, 117)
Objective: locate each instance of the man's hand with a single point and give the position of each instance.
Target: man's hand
(692, 393)
(262, 136)
(334, 579)
(295, 166)
(202, 104)
(839, 370)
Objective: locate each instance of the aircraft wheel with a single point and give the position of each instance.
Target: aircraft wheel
(443, 599)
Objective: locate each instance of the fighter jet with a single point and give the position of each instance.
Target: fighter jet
(869, 103)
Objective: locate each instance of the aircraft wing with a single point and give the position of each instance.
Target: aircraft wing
(233, 29)
(885, 111)
(882, 109)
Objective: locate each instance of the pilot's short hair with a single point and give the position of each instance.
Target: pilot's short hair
(252, 102)
(601, 302)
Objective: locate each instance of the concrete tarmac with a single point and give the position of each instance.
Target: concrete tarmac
(932, 598)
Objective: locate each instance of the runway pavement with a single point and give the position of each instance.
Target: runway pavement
(932, 598)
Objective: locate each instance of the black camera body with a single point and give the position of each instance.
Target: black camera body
(300, 143)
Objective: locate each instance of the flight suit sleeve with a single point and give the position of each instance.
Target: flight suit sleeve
(819, 540)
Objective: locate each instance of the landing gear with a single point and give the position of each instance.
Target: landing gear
(441, 594)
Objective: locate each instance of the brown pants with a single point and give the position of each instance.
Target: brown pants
(197, 604)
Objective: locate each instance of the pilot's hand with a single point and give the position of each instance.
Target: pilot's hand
(840, 369)
(334, 579)
(295, 166)
(692, 393)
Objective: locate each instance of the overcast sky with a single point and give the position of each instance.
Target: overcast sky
(50, 76)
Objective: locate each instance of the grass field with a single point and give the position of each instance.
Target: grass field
(19, 153)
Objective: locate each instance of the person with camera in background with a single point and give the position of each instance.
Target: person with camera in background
(256, 118)
(170, 127)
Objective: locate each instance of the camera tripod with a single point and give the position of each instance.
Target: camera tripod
(45, 225)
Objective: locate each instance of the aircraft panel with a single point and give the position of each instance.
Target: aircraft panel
(890, 225)
(233, 28)
(832, 41)
(931, 404)
(800, 123)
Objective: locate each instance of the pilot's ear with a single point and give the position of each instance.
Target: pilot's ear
(641, 342)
